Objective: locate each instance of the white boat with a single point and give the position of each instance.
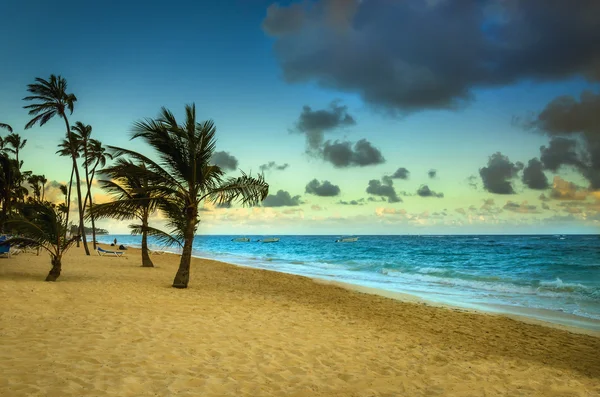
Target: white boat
(241, 240)
(270, 240)
(346, 240)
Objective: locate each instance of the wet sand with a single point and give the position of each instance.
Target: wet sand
(108, 327)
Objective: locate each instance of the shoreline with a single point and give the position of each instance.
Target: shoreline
(544, 317)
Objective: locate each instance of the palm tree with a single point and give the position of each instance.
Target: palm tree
(128, 183)
(96, 155)
(52, 100)
(6, 127)
(17, 144)
(41, 225)
(83, 133)
(184, 176)
(69, 147)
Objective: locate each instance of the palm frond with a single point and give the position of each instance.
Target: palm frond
(161, 237)
(6, 127)
(246, 189)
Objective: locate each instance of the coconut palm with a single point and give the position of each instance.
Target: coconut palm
(41, 225)
(128, 184)
(83, 133)
(69, 148)
(17, 144)
(52, 100)
(184, 176)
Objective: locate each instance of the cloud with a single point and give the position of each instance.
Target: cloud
(533, 175)
(383, 189)
(315, 123)
(342, 154)
(281, 199)
(498, 173)
(523, 208)
(432, 173)
(389, 211)
(461, 211)
(324, 189)
(472, 181)
(316, 207)
(389, 52)
(225, 160)
(424, 191)
(352, 202)
(565, 190)
(271, 165)
(579, 119)
(545, 206)
(401, 173)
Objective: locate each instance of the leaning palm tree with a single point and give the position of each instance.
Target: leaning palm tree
(41, 225)
(184, 176)
(52, 100)
(128, 184)
(69, 148)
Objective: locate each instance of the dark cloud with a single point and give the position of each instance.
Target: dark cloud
(401, 173)
(325, 189)
(342, 154)
(281, 199)
(574, 126)
(521, 208)
(225, 160)
(424, 191)
(352, 202)
(384, 189)
(432, 173)
(496, 177)
(389, 52)
(271, 165)
(315, 123)
(374, 200)
(533, 175)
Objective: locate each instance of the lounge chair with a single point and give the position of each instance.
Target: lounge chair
(153, 252)
(102, 252)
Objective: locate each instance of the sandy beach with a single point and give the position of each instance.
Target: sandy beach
(108, 327)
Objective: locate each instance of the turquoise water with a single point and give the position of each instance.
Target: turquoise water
(552, 274)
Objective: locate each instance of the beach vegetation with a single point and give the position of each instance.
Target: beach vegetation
(184, 177)
(41, 225)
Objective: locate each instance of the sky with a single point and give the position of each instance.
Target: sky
(366, 116)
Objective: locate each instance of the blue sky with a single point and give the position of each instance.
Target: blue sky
(252, 72)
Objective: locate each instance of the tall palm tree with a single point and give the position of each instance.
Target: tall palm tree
(52, 100)
(41, 225)
(69, 148)
(96, 156)
(17, 144)
(184, 176)
(128, 184)
(83, 133)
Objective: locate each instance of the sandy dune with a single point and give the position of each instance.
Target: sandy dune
(111, 328)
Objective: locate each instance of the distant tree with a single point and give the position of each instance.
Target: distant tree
(41, 225)
(16, 143)
(185, 176)
(51, 99)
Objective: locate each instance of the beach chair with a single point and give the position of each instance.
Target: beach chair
(153, 252)
(5, 250)
(103, 252)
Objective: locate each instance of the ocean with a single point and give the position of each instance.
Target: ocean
(548, 277)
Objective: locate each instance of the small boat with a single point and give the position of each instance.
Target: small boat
(346, 240)
(270, 240)
(241, 240)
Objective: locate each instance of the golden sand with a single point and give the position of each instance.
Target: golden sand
(108, 327)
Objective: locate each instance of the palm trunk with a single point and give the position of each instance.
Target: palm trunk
(146, 261)
(69, 202)
(56, 268)
(182, 278)
(79, 201)
(88, 180)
